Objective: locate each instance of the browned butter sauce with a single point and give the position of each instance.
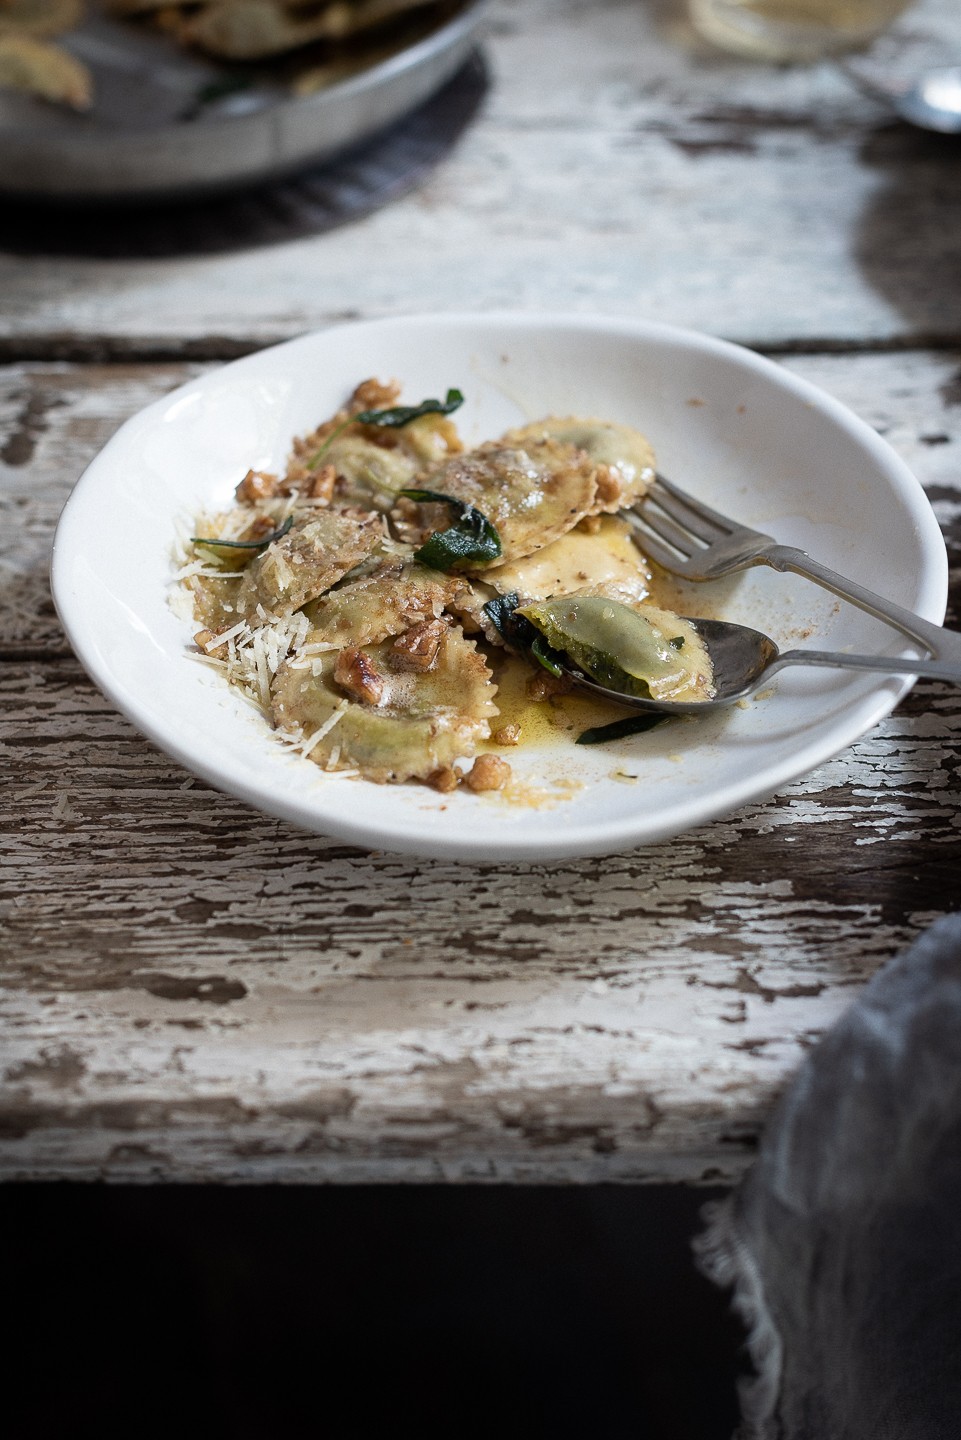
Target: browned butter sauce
(543, 724)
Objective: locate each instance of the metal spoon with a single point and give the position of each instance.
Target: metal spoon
(743, 658)
(932, 100)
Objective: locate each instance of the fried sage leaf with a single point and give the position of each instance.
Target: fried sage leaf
(260, 544)
(472, 541)
(547, 657)
(501, 613)
(394, 417)
(619, 729)
(44, 70)
(399, 415)
(519, 634)
(626, 648)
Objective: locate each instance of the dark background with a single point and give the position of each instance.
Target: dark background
(359, 1311)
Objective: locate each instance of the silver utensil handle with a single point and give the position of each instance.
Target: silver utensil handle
(942, 644)
(885, 664)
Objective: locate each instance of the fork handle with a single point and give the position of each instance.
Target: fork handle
(941, 643)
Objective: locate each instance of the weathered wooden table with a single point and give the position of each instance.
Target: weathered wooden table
(193, 991)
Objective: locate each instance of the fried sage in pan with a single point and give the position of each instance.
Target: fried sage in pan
(45, 71)
(260, 29)
(30, 64)
(343, 37)
(39, 19)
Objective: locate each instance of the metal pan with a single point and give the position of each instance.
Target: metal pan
(147, 138)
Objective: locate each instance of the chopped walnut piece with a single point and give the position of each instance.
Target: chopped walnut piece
(298, 478)
(259, 526)
(418, 647)
(316, 484)
(374, 395)
(609, 485)
(507, 735)
(543, 685)
(255, 486)
(208, 642)
(444, 780)
(414, 520)
(488, 772)
(322, 484)
(355, 675)
(406, 509)
(369, 395)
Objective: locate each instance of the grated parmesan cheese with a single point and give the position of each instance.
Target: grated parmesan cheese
(324, 730)
(228, 635)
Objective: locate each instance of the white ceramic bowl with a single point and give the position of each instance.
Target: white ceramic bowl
(738, 430)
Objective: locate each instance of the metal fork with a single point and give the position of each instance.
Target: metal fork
(690, 539)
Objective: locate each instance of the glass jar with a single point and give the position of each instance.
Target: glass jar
(792, 29)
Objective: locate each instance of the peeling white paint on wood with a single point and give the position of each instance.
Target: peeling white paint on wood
(193, 991)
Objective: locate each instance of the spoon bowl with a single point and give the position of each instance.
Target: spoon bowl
(743, 659)
(934, 101)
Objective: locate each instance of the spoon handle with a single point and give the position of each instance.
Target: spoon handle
(942, 644)
(888, 664)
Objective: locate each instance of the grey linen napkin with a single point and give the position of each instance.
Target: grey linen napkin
(843, 1243)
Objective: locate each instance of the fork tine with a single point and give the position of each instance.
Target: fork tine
(701, 520)
(690, 539)
(658, 548)
(659, 525)
(666, 517)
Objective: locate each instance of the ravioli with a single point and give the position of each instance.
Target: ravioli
(387, 602)
(314, 555)
(531, 495)
(638, 649)
(353, 594)
(623, 456)
(420, 723)
(605, 559)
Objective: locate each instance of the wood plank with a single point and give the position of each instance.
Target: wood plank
(617, 167)
(194, 991)
(53, 421)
